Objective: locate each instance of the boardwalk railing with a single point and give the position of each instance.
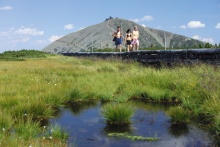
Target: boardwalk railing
(160, 56)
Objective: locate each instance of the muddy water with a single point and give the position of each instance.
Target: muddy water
(87, 128)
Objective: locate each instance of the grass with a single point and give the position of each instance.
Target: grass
(26, 128)
(55, 132)
(117, 114)
(179, 115)
(28, 132)
(38, 86)
(6, 121)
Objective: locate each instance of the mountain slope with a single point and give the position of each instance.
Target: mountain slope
(99, 36)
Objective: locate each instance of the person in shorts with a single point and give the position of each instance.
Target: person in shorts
(128, 40)
(135, 36)
(118, 40)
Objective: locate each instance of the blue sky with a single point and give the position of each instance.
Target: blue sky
(34, 24)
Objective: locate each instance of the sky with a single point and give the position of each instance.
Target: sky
(34, 24)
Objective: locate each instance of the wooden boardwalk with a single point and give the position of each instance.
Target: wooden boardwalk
(187, 56)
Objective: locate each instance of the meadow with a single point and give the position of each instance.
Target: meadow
(33, 89)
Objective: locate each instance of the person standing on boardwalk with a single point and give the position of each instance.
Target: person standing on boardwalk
(118, 38)
(135, 36)
(128, 40)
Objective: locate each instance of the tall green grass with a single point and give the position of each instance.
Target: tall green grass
(118, 114)
(55, 132)
(216, 125)
(26, 128)
(179, 116)
(6, 121)
(37, 87)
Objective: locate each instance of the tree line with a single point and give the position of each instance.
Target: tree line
(22, 54)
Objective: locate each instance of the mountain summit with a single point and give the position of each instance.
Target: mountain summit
(99, 36)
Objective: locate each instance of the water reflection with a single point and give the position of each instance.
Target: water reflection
(177, 130)
(77, 108)
(146, 105)
(87, 127)
(116, 129)
(44, 122)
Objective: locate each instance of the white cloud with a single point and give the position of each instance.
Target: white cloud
(183, 27)
(15, 38)
(29, 31)
(135, 20)
(10, 38)
(209, 40)
(68, 27)
(6, 8)
(145, 18)
(4, 33)
(217, 26)
(22, 31)
(143, 25)
(54, 38)
(195, 24)
(196, 37)
(20, 35)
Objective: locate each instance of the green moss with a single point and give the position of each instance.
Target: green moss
(133, 137)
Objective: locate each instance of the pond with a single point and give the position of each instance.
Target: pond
(87, 127)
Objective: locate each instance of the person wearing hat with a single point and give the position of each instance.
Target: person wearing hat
(135, 36)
